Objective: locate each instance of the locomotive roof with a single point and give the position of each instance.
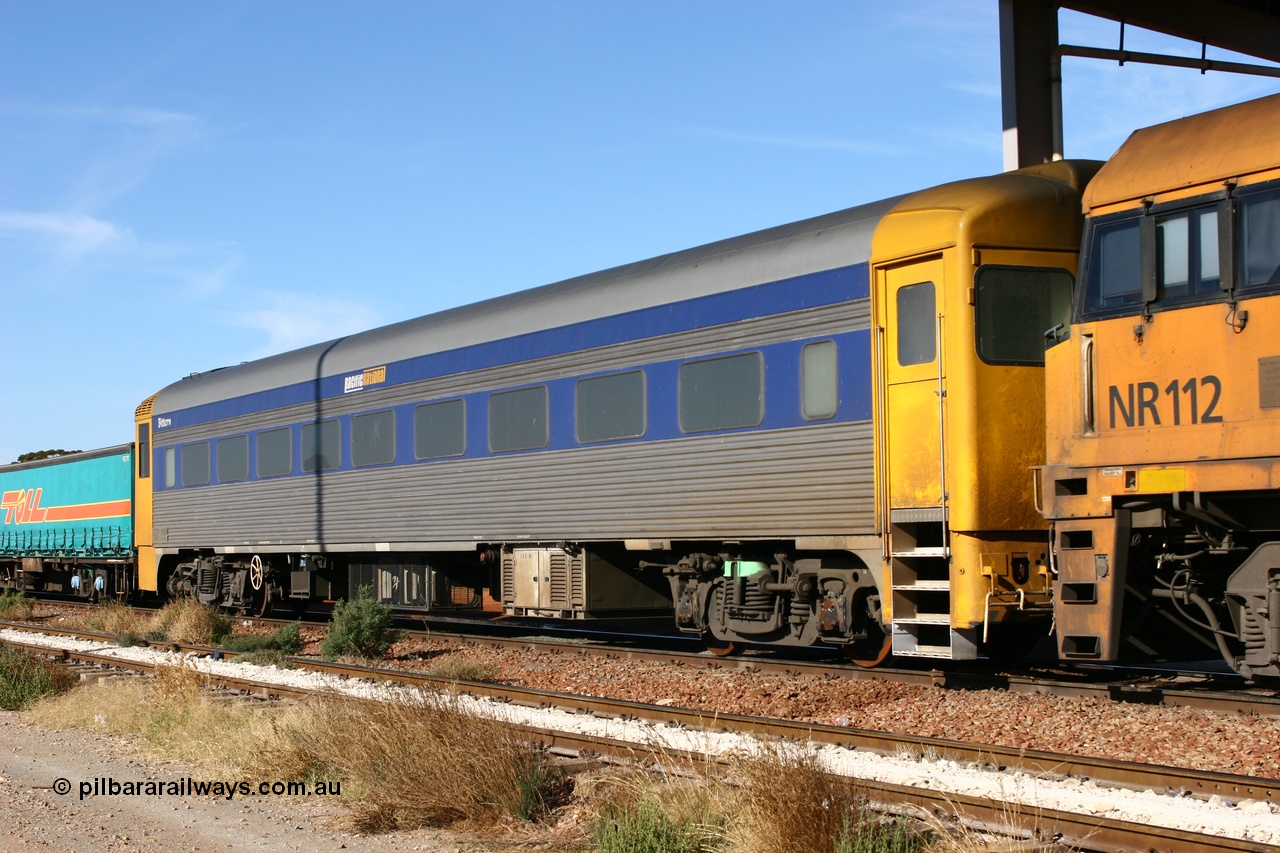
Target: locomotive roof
(774, 254)
(1231, 142)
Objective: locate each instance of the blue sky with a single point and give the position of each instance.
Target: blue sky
(190, 185)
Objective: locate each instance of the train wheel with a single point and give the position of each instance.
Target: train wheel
(872, 651)
(720, 648)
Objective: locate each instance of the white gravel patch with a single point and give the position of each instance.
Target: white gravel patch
(1247, 820)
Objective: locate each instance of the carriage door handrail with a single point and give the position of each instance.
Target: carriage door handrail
(942, 442)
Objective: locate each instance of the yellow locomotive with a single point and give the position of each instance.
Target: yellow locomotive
(1162, 480)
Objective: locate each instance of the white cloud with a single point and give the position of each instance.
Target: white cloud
(126, 115)
(292, 320)
(77, 233)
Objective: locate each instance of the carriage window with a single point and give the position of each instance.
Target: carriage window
(819, 380)
(1016, 307)
(195, 464)
(518, 419)
(610, 407)
(439, 430)
(722, 393)
(373, 439)
(1260, 239)
(275, 453)
(233, 459)
(321, 446)
(170, 467)
(917, 321)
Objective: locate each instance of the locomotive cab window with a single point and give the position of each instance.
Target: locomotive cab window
(1113, 267)
(1187, 255)
(917, 324)
(373, 439)
(819, 381)
(608, 408)
(1260, 239)
(518, 419)
(722, 393)
(195, 464)
(440, 430)
(233, 459)
(321, 446)
(275, 452)
(1169, 255)
(1016, 309)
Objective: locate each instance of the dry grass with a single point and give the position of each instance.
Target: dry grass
(26, 678)
(173, 714)
(658, 811)
(186, 620)
(15, 606)
(408, 764)
(114, 618)
(181, 621)
(421, 762)
(952, 835)
(460, 668)
(788, 803)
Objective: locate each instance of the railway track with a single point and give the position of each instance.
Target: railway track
(1218, 692)
(1084, 831)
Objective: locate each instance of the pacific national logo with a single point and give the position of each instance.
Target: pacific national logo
(360, 381)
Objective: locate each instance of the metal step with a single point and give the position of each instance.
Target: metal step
(943, 652)
(925, 586)
(925, 619)
(907, 640)
(923, 552)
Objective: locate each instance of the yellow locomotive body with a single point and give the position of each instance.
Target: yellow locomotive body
(1163, 415)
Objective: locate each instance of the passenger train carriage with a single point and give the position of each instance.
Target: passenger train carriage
(795, 436)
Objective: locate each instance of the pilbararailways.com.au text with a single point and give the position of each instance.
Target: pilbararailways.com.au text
(188, 787)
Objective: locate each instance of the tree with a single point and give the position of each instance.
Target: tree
(44, 454)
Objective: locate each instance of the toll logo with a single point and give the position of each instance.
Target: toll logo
(22, 506)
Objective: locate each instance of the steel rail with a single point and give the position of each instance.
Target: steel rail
(1126, 774)
(1085, 832)
(1149, 688)
(1077, 831)
(1138, 693)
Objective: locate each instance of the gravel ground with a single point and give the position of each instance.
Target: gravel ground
(34, 817)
